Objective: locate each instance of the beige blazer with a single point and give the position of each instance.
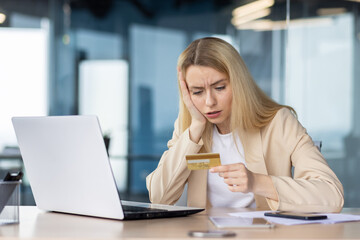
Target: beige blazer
(271, 150)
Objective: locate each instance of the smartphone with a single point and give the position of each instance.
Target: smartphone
(212, 234)
(294, 215)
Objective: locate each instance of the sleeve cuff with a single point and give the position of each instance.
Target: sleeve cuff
(274, 205)
(195, 145)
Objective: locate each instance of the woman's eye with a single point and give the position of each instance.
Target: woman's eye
(197, 92)
(220, 88)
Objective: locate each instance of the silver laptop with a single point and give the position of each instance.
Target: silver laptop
(69, 170)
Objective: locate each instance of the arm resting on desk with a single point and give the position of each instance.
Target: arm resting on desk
(314, 186)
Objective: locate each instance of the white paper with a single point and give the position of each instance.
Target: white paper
(331, 218)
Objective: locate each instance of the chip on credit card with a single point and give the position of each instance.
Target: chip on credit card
(203, 161)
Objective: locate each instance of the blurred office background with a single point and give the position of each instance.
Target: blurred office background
(117, 59)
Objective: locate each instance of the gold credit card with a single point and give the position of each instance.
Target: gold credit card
(203, 161)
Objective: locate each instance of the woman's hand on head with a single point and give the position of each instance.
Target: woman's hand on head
(195, 113)
(240, 179)
(198, 120)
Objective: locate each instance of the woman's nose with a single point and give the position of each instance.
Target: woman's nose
(210, 99)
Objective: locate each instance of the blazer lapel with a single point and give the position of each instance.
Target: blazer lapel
(197, 189)
(254, 158)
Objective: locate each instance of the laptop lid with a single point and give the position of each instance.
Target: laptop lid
(67, 165)
(69, 170)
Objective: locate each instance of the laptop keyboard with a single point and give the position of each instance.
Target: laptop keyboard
(134, 209)
(132, 212)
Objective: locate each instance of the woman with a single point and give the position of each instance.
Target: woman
(259, 141)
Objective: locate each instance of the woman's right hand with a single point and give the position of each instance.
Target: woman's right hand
(198, 120)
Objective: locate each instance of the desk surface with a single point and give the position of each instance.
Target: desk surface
(36, 224)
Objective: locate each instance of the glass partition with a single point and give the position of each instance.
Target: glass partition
(323, 79)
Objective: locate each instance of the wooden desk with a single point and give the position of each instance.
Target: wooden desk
(35, 224)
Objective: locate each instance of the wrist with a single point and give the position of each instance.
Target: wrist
(195, 131)
(264, 186)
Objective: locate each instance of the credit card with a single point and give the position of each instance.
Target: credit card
(203, 161)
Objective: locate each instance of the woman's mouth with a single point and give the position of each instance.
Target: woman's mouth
(214, 114)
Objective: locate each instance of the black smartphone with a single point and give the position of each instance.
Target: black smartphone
(212, 234)
(295, 215)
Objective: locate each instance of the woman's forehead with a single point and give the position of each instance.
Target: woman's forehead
(202, 74)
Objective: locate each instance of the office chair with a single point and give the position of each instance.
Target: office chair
(318, 144)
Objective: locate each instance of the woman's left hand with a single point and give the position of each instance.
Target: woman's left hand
(236, 176)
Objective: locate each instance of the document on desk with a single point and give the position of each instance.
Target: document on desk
(331, 218)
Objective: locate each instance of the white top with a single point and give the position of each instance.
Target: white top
(218, 192)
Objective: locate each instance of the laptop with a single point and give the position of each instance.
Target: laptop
(69, 171)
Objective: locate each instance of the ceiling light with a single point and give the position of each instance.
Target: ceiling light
(252, 7)
(263, 25)
(2, 18)
(330, 11)
(236, 21)
(268, 25)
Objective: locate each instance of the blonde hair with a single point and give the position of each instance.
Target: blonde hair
(251, 107)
